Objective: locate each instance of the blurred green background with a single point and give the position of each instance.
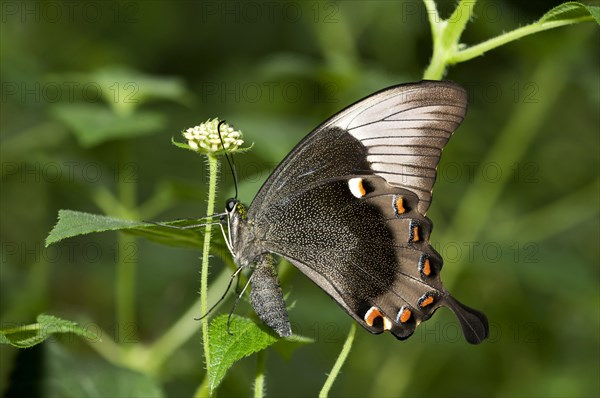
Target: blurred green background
(93, 92)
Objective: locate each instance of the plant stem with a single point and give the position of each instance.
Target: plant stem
(213, 167)
(202, 391)
(259, 382)
(433, 17)
(126, 258)
(20, 329)
(107, 348)
(457, 23)
(481, 48)
(339, 362)
(125, 289)
(446, 36)
(436, 64)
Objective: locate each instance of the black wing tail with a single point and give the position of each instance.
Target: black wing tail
(474, 324)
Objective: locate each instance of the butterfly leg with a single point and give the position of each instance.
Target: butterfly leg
(266, 296)
(233, 276)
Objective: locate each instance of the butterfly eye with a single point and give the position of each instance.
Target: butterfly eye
(230, 205)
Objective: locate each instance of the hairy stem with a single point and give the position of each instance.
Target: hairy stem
(259, 381)
(446, 36)
(481, 48)
(213, 167)
(339, 362)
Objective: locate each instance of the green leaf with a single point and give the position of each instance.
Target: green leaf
(94, 124)
(247, 338)
(226, 349)
(571, 10)
(125, 88)
(29, 335)
(73, 375)
(73, 223)
(595, 11)
(181, 145)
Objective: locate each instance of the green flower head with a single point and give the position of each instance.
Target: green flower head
(204, 138)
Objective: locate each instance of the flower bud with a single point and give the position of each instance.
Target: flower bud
(205, 138)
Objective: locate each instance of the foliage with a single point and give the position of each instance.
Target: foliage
(241, 338)
(29, 335)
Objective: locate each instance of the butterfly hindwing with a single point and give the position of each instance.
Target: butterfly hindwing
(368, 259)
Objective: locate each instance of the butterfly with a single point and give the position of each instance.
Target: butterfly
(347, 207)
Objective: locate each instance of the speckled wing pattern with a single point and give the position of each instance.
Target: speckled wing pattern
(347, 207)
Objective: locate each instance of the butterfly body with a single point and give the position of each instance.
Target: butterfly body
(347, 208)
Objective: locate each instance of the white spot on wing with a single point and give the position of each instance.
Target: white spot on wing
(387, 324)
(355, 185)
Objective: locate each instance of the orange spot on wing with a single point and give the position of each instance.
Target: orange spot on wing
(415, 233)
(426, 268)
(361, 188)
(405, 315)
(399, 205)
(357, 187)
(426, 301)
(371, 315)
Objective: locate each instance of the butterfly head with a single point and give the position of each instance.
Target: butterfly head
(235, 208)
(240, 232)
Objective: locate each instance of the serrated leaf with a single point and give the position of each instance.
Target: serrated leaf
(246, 338)
(94, 124)
(571, 10)
(73, 223)
(595, 11)
(29, 335)
(225, 349)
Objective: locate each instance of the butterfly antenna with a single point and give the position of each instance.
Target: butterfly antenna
(229, 161)
(236, 273)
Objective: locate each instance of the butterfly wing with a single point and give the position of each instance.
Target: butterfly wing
(347, 207)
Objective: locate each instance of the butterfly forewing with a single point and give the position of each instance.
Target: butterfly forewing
(415, 120)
